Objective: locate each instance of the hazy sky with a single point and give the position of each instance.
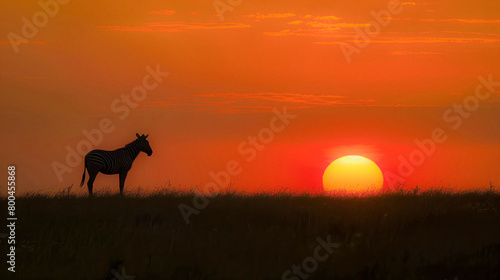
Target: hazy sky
(400, 82)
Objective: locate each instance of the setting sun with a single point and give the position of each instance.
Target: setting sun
(353, 174)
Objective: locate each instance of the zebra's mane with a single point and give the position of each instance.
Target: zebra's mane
(134, 145)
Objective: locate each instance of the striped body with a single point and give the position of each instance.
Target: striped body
(114, 162)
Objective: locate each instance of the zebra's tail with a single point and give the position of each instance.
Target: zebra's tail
(83, 177)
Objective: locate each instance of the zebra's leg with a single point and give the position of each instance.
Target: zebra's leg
(90, 183)
(123, 176)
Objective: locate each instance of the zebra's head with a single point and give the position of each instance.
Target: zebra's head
(144, 144)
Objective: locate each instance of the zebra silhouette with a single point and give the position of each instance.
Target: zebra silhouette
(114, 162)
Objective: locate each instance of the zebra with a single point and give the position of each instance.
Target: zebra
(114, 162)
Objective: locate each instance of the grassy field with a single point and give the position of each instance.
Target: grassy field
(433, 235)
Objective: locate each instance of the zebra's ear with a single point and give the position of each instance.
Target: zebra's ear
(137, 134)
(146, 136)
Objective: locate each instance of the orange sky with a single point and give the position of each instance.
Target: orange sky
(226, 76)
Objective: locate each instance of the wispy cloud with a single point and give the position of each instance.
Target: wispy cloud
(315, 26)
(329, 26)
(327, 32)
(231, 103)
(423, 40)
(173, 26)
(162, 12)
(436, 40)
(267, 16)
(458, 20)
(334, 30)
(306, 99)
(327, 18)
(413, 53)
(251, 102)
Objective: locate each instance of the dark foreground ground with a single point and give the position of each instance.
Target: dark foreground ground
(395, 236)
